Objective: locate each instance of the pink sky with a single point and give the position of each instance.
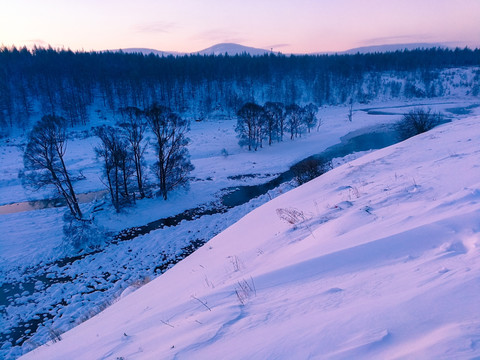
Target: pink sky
(299, 26)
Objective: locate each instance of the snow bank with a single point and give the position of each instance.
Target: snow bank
(379, 258)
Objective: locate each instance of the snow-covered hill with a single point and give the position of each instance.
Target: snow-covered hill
(237, 49)
(378, 258)
(393, 47)
(232, 49)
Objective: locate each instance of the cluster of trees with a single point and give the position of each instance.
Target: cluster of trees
(66, 83)
(121, 150)
(270, 122)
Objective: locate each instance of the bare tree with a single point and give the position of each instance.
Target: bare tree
(275, 120)
(173, 164)
(350, 110)
(294, 120)
(310, 115)
(44, 163)
(134, 128)
(114, 151)
(249, 125)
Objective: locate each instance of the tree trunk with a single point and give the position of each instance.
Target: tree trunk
(78, 212)
(138, 170)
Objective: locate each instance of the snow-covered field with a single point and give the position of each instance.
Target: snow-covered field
(383, 262)
(35, 236)
(375, 229)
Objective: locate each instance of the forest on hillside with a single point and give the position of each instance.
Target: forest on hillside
(66, 83)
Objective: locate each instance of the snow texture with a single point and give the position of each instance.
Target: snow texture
(378, 258)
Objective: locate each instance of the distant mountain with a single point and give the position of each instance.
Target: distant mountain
(231, 49)
(218, 49)
(394, 47)
(237, 49)
(146, 51)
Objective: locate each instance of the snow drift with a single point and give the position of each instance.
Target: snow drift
(378, 258)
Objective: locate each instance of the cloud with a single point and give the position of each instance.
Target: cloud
(396, 39)
(220, 36)
(276, 46)
(155, 27)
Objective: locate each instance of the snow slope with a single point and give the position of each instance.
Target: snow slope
(41, 290)
(383, 262)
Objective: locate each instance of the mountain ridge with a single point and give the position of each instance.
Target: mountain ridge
(233, 49)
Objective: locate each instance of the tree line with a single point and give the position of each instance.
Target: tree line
(273, 120)
(65, 83)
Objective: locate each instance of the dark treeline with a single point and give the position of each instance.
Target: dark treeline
(66, 83)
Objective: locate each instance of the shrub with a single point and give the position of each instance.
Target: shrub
(291, 215)
(417, 121)
(244, 290)
(80, 235)
(309, 169)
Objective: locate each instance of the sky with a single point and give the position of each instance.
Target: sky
(298, 26)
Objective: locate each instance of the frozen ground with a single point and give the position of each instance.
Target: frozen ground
(380, 259)
(81, 287)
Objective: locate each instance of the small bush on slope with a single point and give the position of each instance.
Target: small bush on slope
(417, 121)
(309, 169)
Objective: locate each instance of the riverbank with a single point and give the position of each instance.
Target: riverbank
(33, 239)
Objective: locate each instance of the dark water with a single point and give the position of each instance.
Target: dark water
(378, 112)
(381, 137)
(462, 110)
